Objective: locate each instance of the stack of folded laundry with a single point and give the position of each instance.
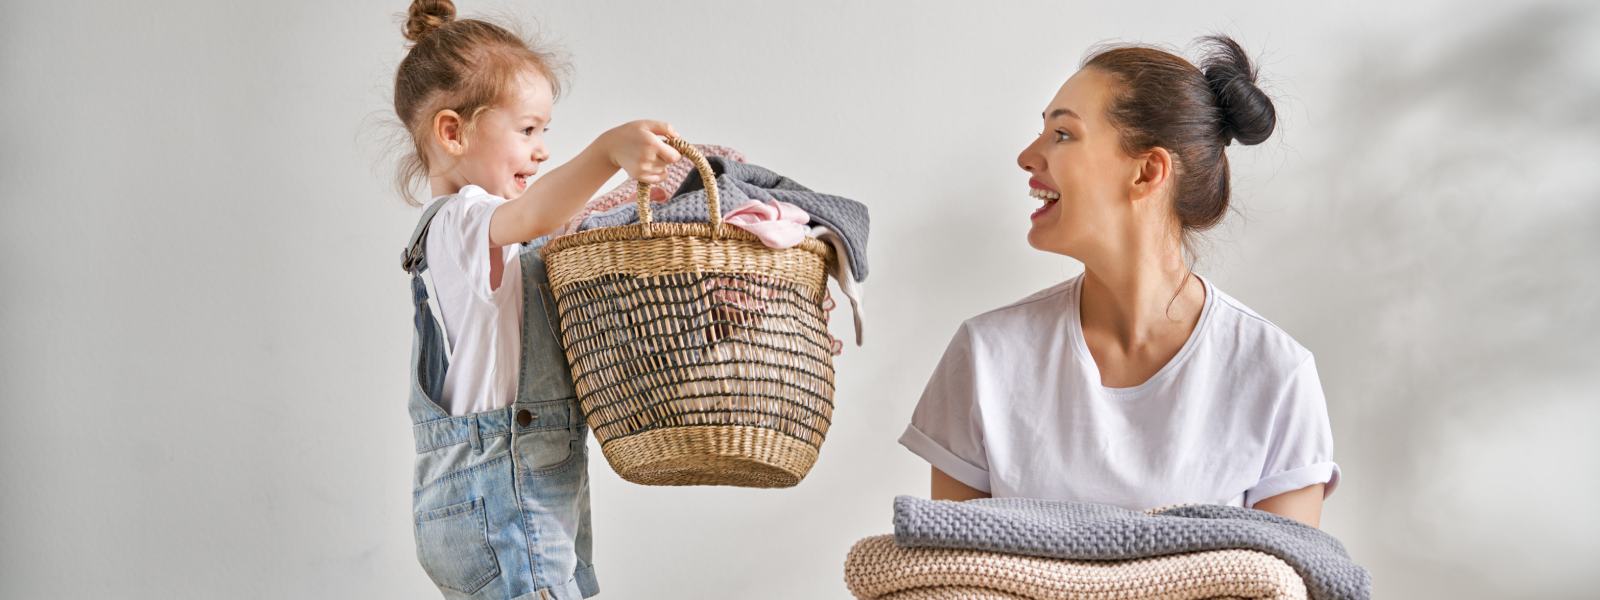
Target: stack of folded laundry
(1011, 548)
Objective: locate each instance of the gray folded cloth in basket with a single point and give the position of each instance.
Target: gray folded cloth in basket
(1079, 530)
(738, 183)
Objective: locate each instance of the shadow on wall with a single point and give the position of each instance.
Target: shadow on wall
(1454, 226)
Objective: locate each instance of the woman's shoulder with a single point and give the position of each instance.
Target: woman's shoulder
(1033, 313)
(1250, 334)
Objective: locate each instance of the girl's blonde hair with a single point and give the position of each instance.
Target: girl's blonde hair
(465, 65)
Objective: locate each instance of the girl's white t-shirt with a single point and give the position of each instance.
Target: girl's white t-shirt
(1016, 408)
(483, 326)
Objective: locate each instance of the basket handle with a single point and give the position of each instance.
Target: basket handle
(707, 177)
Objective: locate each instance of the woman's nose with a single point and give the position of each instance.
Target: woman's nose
(1030, 160)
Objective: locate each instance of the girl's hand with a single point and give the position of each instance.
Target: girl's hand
(638, 149)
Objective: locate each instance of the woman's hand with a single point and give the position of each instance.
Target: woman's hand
(636, 147)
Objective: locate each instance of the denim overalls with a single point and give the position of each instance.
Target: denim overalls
(501, 498)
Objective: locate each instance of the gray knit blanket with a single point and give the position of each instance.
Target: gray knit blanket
(737, 184)
(1077, 530)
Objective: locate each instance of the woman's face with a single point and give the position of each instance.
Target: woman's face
(1078, 170)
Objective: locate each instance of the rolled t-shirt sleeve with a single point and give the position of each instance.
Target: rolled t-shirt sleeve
(1300, 446)
(947, 426)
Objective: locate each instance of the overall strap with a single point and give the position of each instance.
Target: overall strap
(412, 259)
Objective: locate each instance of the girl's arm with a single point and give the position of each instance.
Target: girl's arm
(1303, 505)
(946, 487)
(550, 200)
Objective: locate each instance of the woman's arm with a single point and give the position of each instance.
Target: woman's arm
(1303, 505)
(946, 487)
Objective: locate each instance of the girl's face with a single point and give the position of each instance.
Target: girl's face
(1079, 170)
(505, 144)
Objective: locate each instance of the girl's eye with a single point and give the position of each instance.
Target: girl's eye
(527, 131)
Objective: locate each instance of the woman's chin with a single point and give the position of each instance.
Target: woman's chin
(1038, 239)
(1043, 239)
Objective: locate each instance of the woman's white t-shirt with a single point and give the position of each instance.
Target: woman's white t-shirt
(1016, 408)
(483, 325)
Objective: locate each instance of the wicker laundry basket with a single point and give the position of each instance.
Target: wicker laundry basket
(700, 356)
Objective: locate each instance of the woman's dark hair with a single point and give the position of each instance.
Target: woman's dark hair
(1194, 113)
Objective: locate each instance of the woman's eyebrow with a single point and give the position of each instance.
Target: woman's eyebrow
(1061, 112)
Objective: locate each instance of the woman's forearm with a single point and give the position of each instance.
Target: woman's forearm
(946, 487)
(1303, 505)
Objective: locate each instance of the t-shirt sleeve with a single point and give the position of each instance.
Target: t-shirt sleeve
(1300, 446)
(463, 230)
(947, 426)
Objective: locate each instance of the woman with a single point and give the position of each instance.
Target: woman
(1137, 383)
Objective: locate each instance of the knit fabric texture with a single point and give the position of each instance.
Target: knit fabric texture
(739, 183)
(1084, 531)
(879, 569)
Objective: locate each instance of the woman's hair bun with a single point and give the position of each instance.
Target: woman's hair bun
(426, 16)
(1247, 113)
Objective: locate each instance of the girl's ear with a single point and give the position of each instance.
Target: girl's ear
(449, 132)
(1151, 174)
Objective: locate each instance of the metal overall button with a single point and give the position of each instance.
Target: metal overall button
(526, 417)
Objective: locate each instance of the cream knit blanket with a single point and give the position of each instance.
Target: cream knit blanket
(879, 569)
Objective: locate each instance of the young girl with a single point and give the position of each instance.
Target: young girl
(501, 489)
(1137, 384)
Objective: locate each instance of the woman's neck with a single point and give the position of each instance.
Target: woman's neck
(1141, 294)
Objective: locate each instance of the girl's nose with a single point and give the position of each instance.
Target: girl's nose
(540, 153)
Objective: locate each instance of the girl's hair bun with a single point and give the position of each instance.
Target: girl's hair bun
(1247, 113)
(427, 16)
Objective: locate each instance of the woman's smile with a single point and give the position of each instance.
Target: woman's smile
(1042, 192)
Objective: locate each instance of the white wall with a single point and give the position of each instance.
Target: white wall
(203, 331)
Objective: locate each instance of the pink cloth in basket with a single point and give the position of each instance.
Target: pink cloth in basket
(778, 224)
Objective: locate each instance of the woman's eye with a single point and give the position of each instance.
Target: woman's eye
(1062, 136)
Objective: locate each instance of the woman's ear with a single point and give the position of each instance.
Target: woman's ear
(1153, 170)
(449, 132)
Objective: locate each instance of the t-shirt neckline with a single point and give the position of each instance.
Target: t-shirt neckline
(1082, 347)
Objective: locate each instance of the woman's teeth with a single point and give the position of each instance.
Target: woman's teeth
(1043, 194)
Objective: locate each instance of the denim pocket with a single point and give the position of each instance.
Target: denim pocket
(552, 310)
(544, 451)
(453, 546)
